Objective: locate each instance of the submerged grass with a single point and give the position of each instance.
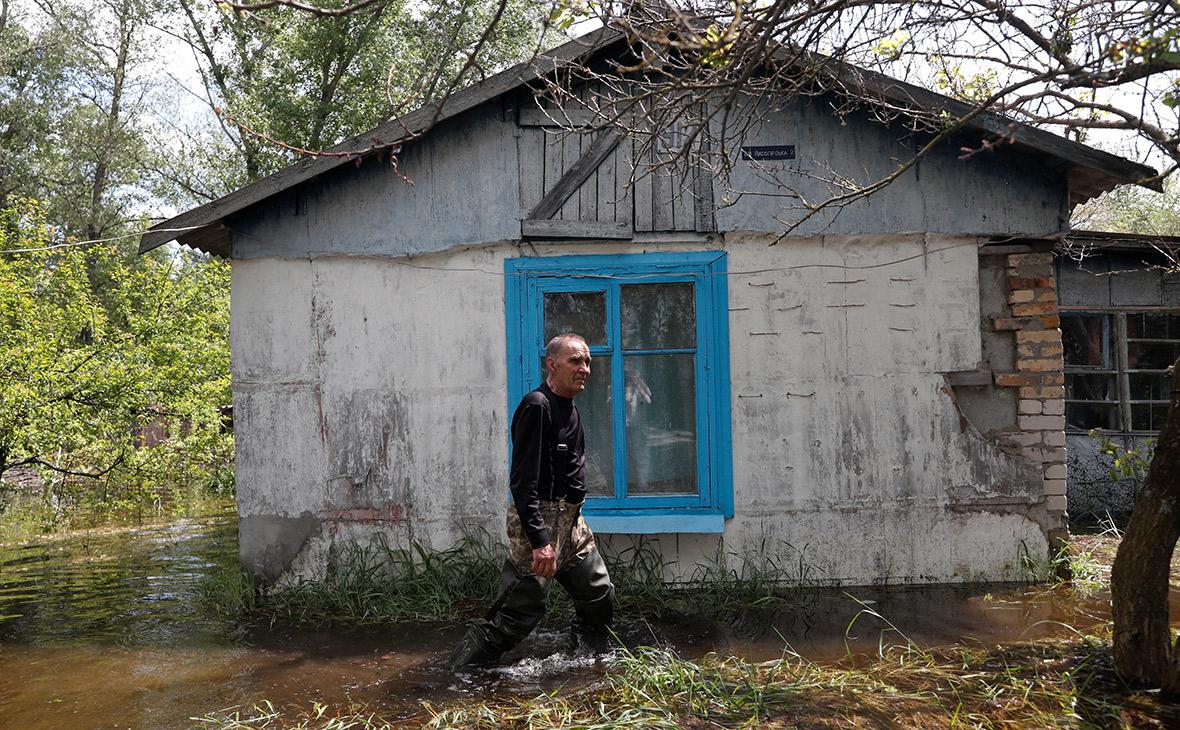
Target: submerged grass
(1044, 684)
(376, 583)
(367, 584)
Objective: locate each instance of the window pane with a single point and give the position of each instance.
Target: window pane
(594, 410)
(1149, 386)
(1148, 416)
(582, 313)
(1153, 326)
(1090, 387)
(1084, 340)
(1152, 354)
(1085, 416)
(661, 424)
(658, 316)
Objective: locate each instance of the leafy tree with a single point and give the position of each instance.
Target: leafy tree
(84, 379)
(283, 80)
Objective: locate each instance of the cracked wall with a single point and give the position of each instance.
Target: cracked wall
(370, 403)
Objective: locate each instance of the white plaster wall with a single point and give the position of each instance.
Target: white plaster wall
(370, 393)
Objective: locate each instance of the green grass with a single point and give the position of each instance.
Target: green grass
(1044, 684)
(367, 584)
(376, 583)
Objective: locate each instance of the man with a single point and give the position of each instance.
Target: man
(546, 533)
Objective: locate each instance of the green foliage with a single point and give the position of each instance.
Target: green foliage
(1127, 465)
(111, 388)
(310, 81)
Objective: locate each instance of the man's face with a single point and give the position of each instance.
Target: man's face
(569, 371)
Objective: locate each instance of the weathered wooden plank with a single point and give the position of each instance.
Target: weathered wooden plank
(531, 153)
(576, 174)
(624, 200)
(605, 182)
(552, 228)
(554, 167)
(661, 197)
(703, 198)
(571, 153)
(642, 188)
(559, 118)
(389, 133)
(683, 218)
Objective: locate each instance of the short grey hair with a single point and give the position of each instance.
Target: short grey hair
(558, 344)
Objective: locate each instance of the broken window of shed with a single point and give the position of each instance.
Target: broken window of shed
(1115, 368)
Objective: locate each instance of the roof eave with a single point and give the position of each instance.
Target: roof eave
(201, 223)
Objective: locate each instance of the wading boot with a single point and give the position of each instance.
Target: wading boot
(476, 649)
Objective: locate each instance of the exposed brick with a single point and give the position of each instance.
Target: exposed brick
(1042, 391)
(1002, 324)
(1033, 323)
(1044, 454)
(1029, 407)
(1041, 423)
(1053, 407)
(1034, 308)
(1054, 487)
(1053, 438)
(1022, 259)
(1021, 296)
(1012, 380)
(1047, 336)
(1036, 350)
(1057, 378)
(1045, 295)
(1041, 365)
(1056, 503)
(1057, 471)
(1028, 282)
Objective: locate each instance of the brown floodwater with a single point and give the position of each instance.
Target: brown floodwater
(104, 629)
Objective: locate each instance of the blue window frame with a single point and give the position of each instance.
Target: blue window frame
(656, 410)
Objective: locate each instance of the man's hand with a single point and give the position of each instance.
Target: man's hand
(544, 562)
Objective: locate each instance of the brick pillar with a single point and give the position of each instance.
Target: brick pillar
(1040, 421)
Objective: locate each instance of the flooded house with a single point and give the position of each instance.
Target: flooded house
(875, 395)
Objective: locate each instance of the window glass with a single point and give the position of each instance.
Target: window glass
(1153, 326)
(583, 313)
(1080, 386)
(594, 407)
(1085, 416)
(656, 407)
(1149, 386)
(1086, 340)
(1151, 355)
(1110, 377)
(661, 424)
(658, 316)
(1148, 416)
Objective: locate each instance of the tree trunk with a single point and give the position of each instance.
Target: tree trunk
(106, 148)
(1143, 649)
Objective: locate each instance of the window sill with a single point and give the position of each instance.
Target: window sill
(655, 523)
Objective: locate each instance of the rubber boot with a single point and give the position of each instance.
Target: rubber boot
(516, 611)
(476, 649)
(592, 592)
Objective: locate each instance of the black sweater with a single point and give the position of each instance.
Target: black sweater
(548, 458)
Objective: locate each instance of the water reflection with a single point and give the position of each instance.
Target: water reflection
(104, 629)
